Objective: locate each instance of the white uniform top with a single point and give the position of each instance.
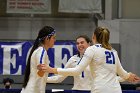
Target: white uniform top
(81, 82)
(104, 65)
(37, 84)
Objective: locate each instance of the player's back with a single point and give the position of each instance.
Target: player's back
(104, 68)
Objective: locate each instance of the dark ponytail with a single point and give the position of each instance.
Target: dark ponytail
(27, 70)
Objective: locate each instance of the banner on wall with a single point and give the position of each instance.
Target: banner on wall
(80, 6)
(13, 55)
(29, 6)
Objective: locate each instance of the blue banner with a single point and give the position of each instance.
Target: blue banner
(13, 55)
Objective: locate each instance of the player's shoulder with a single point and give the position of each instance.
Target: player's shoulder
(74, 57)
(90, 49)
(113, 50)
(94, 47)
(39, 50)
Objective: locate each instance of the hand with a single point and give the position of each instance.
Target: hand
(133, 78)
(40, 73)
(42, 67)
(46, 68)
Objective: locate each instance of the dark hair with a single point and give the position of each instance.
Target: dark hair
(87, 39)
(102, 36)
(46, 31)
(8, 80)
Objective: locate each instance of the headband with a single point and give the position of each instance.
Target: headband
(49, 35)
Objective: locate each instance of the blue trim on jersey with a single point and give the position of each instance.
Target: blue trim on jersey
(83, 74)
(80, 60)
(42, 55)
(83, 71)
(98, 45)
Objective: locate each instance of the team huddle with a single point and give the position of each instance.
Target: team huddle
(96, 68)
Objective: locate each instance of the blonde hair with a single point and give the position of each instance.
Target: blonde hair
(102, 36)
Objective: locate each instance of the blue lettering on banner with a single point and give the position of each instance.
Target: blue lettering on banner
(13, 55)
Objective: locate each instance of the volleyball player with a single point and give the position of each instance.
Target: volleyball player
(104, 65)
(82, 82)
(34, 80)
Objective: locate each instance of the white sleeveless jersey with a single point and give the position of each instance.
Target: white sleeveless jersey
(81, 82)
(104, 66)
(37, 84)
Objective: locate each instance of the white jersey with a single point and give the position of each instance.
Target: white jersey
(37, 84)
(81, 82)
(104, 65)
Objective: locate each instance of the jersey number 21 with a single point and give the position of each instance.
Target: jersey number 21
(110, 59)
